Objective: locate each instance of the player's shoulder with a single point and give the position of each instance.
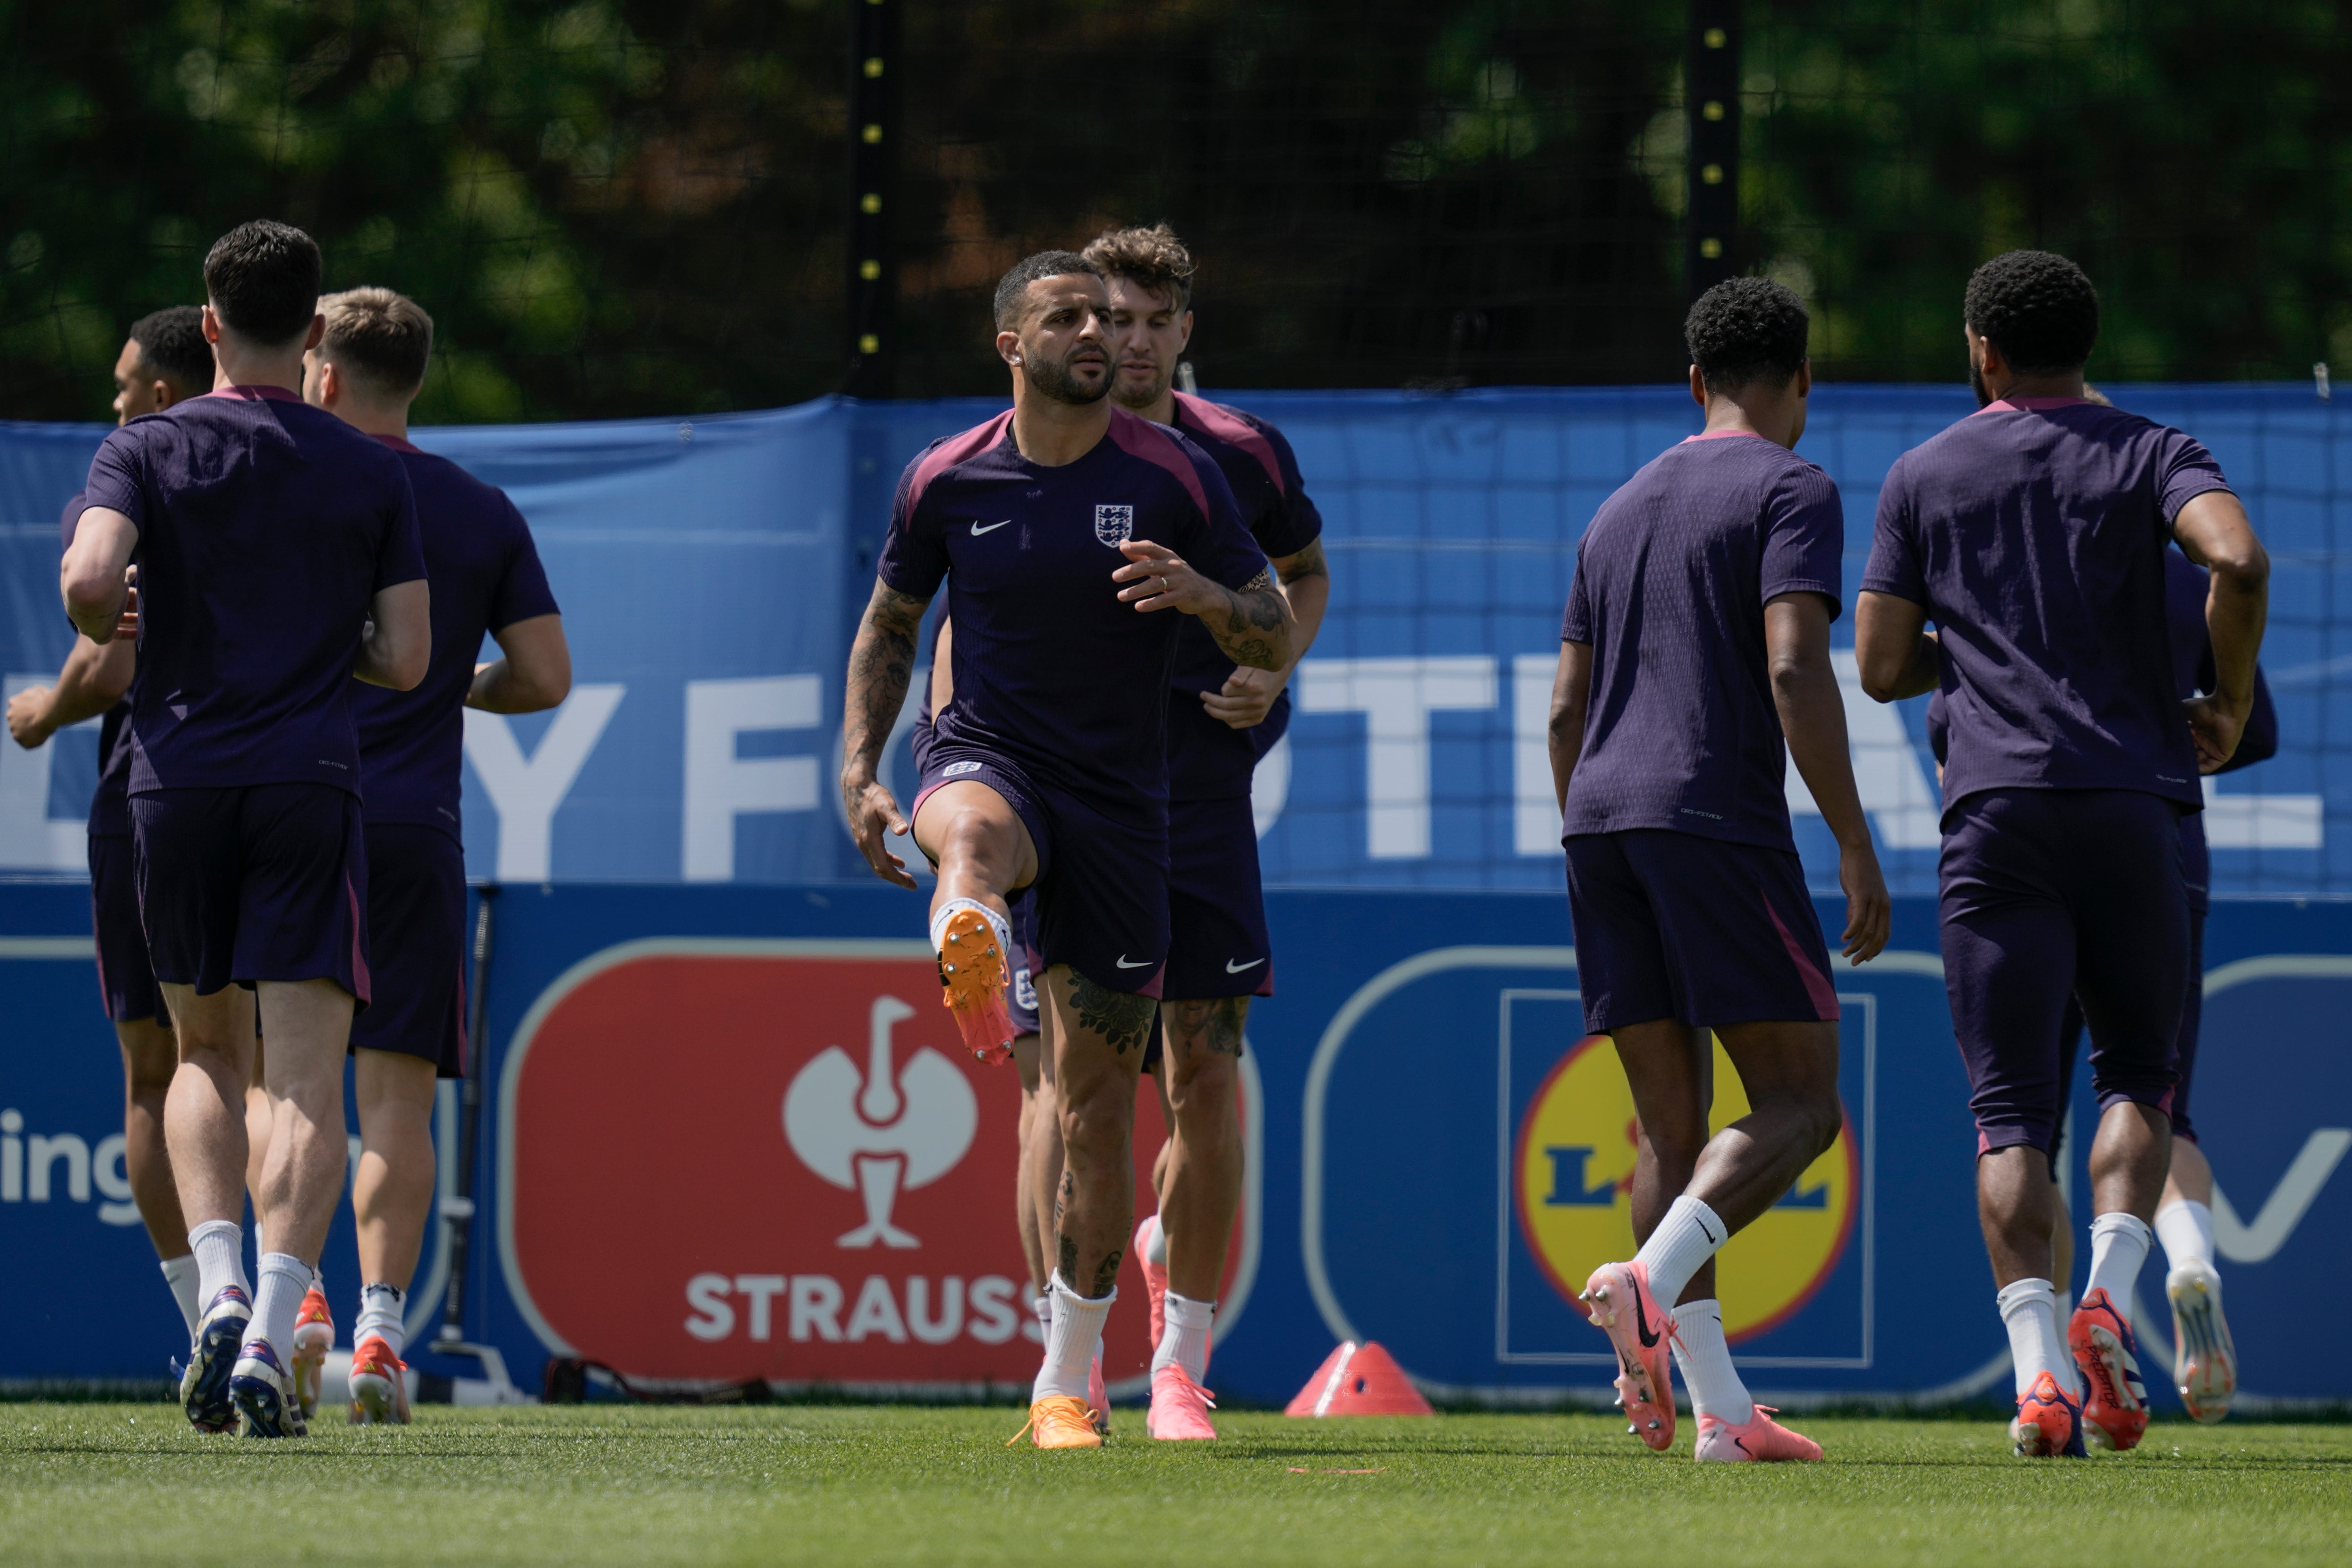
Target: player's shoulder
(1253, 435)
(447, 477)
(944, 457)
(1187, 468)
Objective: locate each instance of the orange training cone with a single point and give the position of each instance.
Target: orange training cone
(1359, 1380)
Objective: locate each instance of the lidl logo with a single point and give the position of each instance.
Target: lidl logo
(1573, 1179)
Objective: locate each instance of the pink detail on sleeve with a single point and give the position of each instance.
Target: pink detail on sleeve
(1717, 436)
(1235, 431)
(1140, 437)
(953, 450)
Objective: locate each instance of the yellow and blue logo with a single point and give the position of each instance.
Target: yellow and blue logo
(1574, 1176)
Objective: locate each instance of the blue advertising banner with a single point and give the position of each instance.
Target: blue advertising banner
(756, 1085)
(711, 571)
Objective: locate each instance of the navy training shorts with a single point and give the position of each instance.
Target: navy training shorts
(2048, 894)
(1217, 942)
(1101, 892)
(1021, 996)
(417, 946)
(1673, 925)
(253, 882)
(2184, 1048)
(126, 981)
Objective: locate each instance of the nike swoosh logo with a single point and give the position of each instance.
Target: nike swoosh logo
(1233, 968)
(1713, 1240)
(1121, 960)
(977, 531)
(1642, 1324)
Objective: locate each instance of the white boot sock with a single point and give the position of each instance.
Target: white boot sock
(284, 1280)
(1186, 1341)
(2185, 1228)
(2118, 1247)
(379, 1309)
(1043, 1307)
(1704, 1357)
(179, 1273)
(218, 1247)
(2028, 1308)
(1680, 1247)
(1071, 1342)
(996, 923)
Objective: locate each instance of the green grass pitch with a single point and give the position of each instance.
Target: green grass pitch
(852, 1485)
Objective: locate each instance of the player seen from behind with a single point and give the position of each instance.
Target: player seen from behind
(278, 557)
(2071, 759)
(366, 369)
(164, 360)
(1222, 718)
(2205, 1360)
(1697, 639)
(1061, 528)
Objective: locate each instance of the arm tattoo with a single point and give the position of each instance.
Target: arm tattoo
(1121, 1017)
(1306, 563)
(881, 663)
(1257, 606)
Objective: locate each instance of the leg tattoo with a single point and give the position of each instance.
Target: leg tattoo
(1121, 1017)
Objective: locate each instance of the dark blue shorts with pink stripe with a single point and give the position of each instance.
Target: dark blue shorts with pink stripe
(1673, 925)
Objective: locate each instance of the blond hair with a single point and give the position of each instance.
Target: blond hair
(384, 338)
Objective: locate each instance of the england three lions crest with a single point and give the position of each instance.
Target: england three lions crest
(1114, 525)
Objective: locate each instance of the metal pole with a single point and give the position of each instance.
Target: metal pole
(874, 71)
(457, 1208)
(1711, 100)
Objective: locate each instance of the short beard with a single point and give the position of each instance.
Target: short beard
(1977, 386)
(1052, 378)
(1139, 402)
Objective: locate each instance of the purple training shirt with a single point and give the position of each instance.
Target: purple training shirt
(1672, 577)
(486, 577)
(2034, 533)
(266, 528)
(1051, 671)
(1207, 758)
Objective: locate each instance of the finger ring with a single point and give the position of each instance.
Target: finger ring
(1163, 585)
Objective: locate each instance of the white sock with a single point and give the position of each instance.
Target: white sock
(180, 1273)
(1071, 1342)
(2118, 1247)
(2063, 1304)
(1680, 1247)
(2030, 1308)
(1042, 1304)
(2185, 1228)
(284, 1280)
(218, 1247)
(996, 922)
(1185, 1343)
(1155, 1241)
(379, 1309)
(1704, 1357)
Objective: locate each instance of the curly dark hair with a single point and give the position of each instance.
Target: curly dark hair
(1153, 258)
(2038, 308)
(1012, 289)
(1746, 330)
(172, 345)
